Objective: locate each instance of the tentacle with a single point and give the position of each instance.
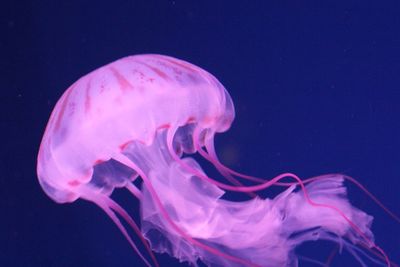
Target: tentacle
(108, 205)
(213, 158)
(115, 206)
(123, 159)
(134, 190)
(269, 183)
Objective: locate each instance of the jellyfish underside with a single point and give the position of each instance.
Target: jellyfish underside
(187, 217)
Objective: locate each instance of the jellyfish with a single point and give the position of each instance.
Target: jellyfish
(136, 123)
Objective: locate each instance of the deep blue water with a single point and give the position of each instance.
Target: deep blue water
(316, 88)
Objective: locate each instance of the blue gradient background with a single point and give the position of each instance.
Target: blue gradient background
(316, 90)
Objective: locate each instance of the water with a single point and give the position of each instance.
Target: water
(315, 89)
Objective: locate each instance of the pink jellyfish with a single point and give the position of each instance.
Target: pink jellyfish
(139, 119)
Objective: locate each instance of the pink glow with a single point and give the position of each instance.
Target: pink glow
(141, 117)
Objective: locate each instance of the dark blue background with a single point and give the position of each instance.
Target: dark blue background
(316, 88)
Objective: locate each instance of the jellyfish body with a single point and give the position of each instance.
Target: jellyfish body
(141, 117)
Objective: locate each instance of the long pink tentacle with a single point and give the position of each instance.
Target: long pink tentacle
(269, 183)
(115, 206)
(213, 158)
(104, 204)
(124, 160)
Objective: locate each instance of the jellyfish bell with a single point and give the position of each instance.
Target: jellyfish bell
(141, 117)
(122, 102)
